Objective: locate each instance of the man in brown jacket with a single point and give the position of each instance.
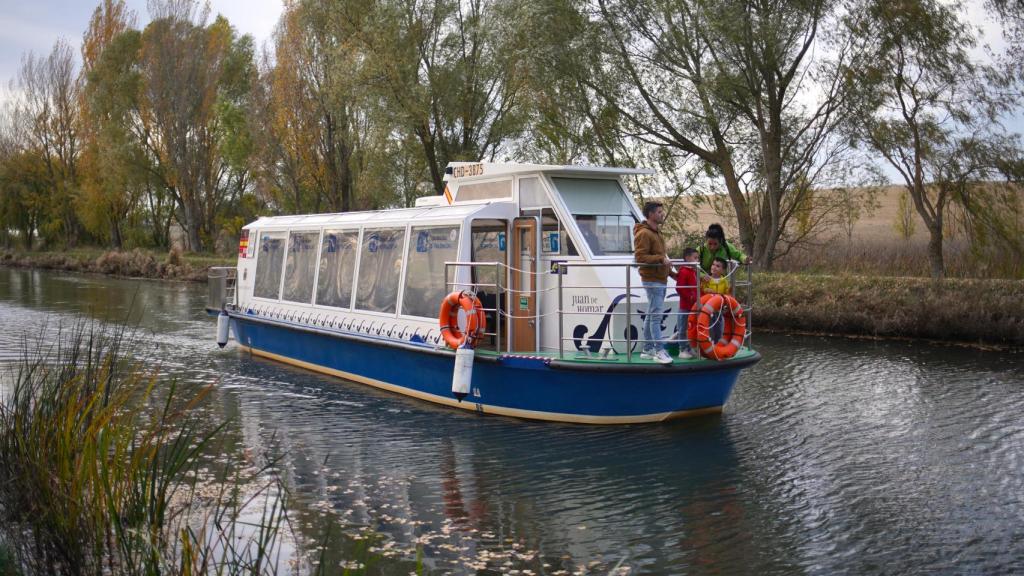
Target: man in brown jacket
(649, 248)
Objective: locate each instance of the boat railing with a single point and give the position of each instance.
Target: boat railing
(222, 283)
(475, 288)
(502, 291)
(680, 337)
(739, 274)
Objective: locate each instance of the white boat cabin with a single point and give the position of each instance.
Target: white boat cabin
(383, 273)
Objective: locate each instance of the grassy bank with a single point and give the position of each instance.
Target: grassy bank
(130, 264)
(985, 312)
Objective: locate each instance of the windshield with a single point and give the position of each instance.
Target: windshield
(602, 213)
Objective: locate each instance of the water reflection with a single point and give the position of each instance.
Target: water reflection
(470, 489)
(832, 456)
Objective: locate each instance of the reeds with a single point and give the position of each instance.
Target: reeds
(97, 471)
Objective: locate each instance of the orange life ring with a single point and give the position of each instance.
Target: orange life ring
(734, 330)
(476, 321)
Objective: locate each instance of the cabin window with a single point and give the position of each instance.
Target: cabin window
(485, 191)
(300, 267)
(380, 267)
(429, 248)
(489, 244)
(531, 194)
(337, 266)
(269, 265)
(489, 241)
(602, 212)
(554, 240)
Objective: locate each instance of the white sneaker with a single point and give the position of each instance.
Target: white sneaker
(647, 355)
(662, 357)
(686, 354)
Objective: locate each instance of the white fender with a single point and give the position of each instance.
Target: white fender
(222, 328)
(462, 378)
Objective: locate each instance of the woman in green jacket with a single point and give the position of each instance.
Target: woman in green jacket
(716, 246)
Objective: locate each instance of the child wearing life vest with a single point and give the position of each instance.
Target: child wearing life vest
(717, 283)
(686, 287)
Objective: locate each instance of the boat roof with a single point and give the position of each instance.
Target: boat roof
(474, 170)
(436, 210)
(390, 216)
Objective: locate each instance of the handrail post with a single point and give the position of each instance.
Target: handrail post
(629, 315)
(510, 301)
(697, 272)
(750, 299)
(497, 308)
(561, 348)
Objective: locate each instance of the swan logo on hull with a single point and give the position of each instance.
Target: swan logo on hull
(580, 338)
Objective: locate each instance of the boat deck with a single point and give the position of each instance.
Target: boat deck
(612, 359)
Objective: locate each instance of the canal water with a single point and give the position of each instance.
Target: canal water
(832, 456)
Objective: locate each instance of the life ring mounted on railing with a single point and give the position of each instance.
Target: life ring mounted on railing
(734, 329)
(475, 320)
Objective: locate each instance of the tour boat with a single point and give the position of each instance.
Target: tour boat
(536, 262)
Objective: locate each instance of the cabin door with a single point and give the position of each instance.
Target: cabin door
(524, 284)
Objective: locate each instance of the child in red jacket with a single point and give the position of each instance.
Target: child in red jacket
(686, 287)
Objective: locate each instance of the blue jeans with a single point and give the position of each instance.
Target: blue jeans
(655, 313)
(684, 342)
(717, 326)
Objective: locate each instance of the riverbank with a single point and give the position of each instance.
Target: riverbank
(126, 264)
(969, 311)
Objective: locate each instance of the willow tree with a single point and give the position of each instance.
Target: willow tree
(451, 73)
(1010, 13)
(927, 107)
(747, 91)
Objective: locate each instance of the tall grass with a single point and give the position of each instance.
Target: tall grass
(97, 471)
(890, 257)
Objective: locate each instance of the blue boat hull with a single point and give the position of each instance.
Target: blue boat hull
(510, 385)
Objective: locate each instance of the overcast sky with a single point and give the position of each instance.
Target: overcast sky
(34, 25)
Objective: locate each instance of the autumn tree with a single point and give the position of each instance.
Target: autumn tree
(46, 116)
(311, 110)
(111, 174)
(193, 79)
(24, 193)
